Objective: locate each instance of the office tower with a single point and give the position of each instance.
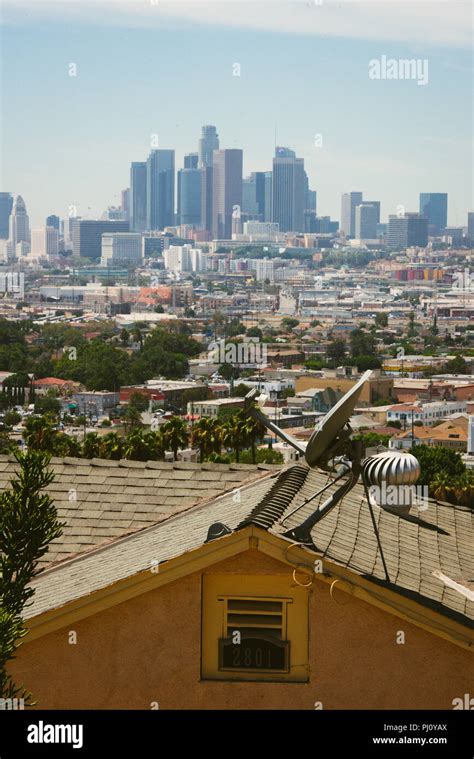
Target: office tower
(226, 192)
(257, 195)
(324, 225)
(311, 201)
(87, 235)
(189, 192)
(350, 201)
(53, 221)
(208, 142)
(19, 224)
(289, 190)
(125, 204)
(138, 196)
(6, 205)
(191, 161)
(366, 220)
(375, 203)
(407, 231)
(470, 225)
(45, 241)
(434, 205)
(160, 189)
(121, 248)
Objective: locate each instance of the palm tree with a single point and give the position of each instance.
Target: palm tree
(206, 436)
(111, 446)
(234, 434)
(441, 486)
(40, 434)
(91, 446)
(175, 435)
(142, 446)
(253, 431)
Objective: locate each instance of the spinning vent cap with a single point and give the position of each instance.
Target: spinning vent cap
(391, 478)
(393, 468)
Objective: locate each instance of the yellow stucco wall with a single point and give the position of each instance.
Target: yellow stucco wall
(148, 650)
(372, 390)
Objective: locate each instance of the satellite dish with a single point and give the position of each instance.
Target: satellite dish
(330, 430)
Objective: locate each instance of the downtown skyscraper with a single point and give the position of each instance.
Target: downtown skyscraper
(289, 190)
(208, 142)
(138, 221)
(349, 203)
(189, 191)
(434, 205)
(160, 189)
(6, 205)
(226, 191)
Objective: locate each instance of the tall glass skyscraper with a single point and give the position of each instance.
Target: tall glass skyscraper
(189, 191)
(289, 190)
(138, 196)
(434, 205)
(160, 189)
(226, 191)
(6, 205)
(208, 142)
(349, 203)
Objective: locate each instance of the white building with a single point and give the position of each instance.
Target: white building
(184, 258)
(121, 248)
(426, 413)
(19, 230)
(44, 242)
(267, 228)
(264, 269)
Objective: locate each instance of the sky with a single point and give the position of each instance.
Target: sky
(166, 67)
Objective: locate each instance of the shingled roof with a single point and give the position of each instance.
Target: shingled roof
(421, 553)
(101, 500)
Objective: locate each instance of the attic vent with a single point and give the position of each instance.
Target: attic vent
(274, 504)
(255, 632)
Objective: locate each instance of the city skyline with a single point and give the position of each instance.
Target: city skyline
(74, 137)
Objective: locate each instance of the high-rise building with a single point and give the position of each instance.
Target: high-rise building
(208, 142)
(6, 205)
(160, 189)
(44, 242)
(349, 203)
(87, 235)
(289, 190)
(53, 221)
(125, 204)
(366, 220)
(470, 225)
(138, 196)
(121, 248)
(19, 228)
(226, 191)
(257, 195)
(434, 205)
(311, 200)
(375, 203)
(191, 161)
(409, 230)
(189, 192)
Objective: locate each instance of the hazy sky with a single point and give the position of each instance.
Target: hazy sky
(167, 67)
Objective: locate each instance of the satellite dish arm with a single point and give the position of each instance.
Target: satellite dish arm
(256, 414)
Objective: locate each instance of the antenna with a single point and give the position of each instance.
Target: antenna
(331, 449)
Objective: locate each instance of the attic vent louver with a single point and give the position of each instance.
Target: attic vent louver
(274, 504)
